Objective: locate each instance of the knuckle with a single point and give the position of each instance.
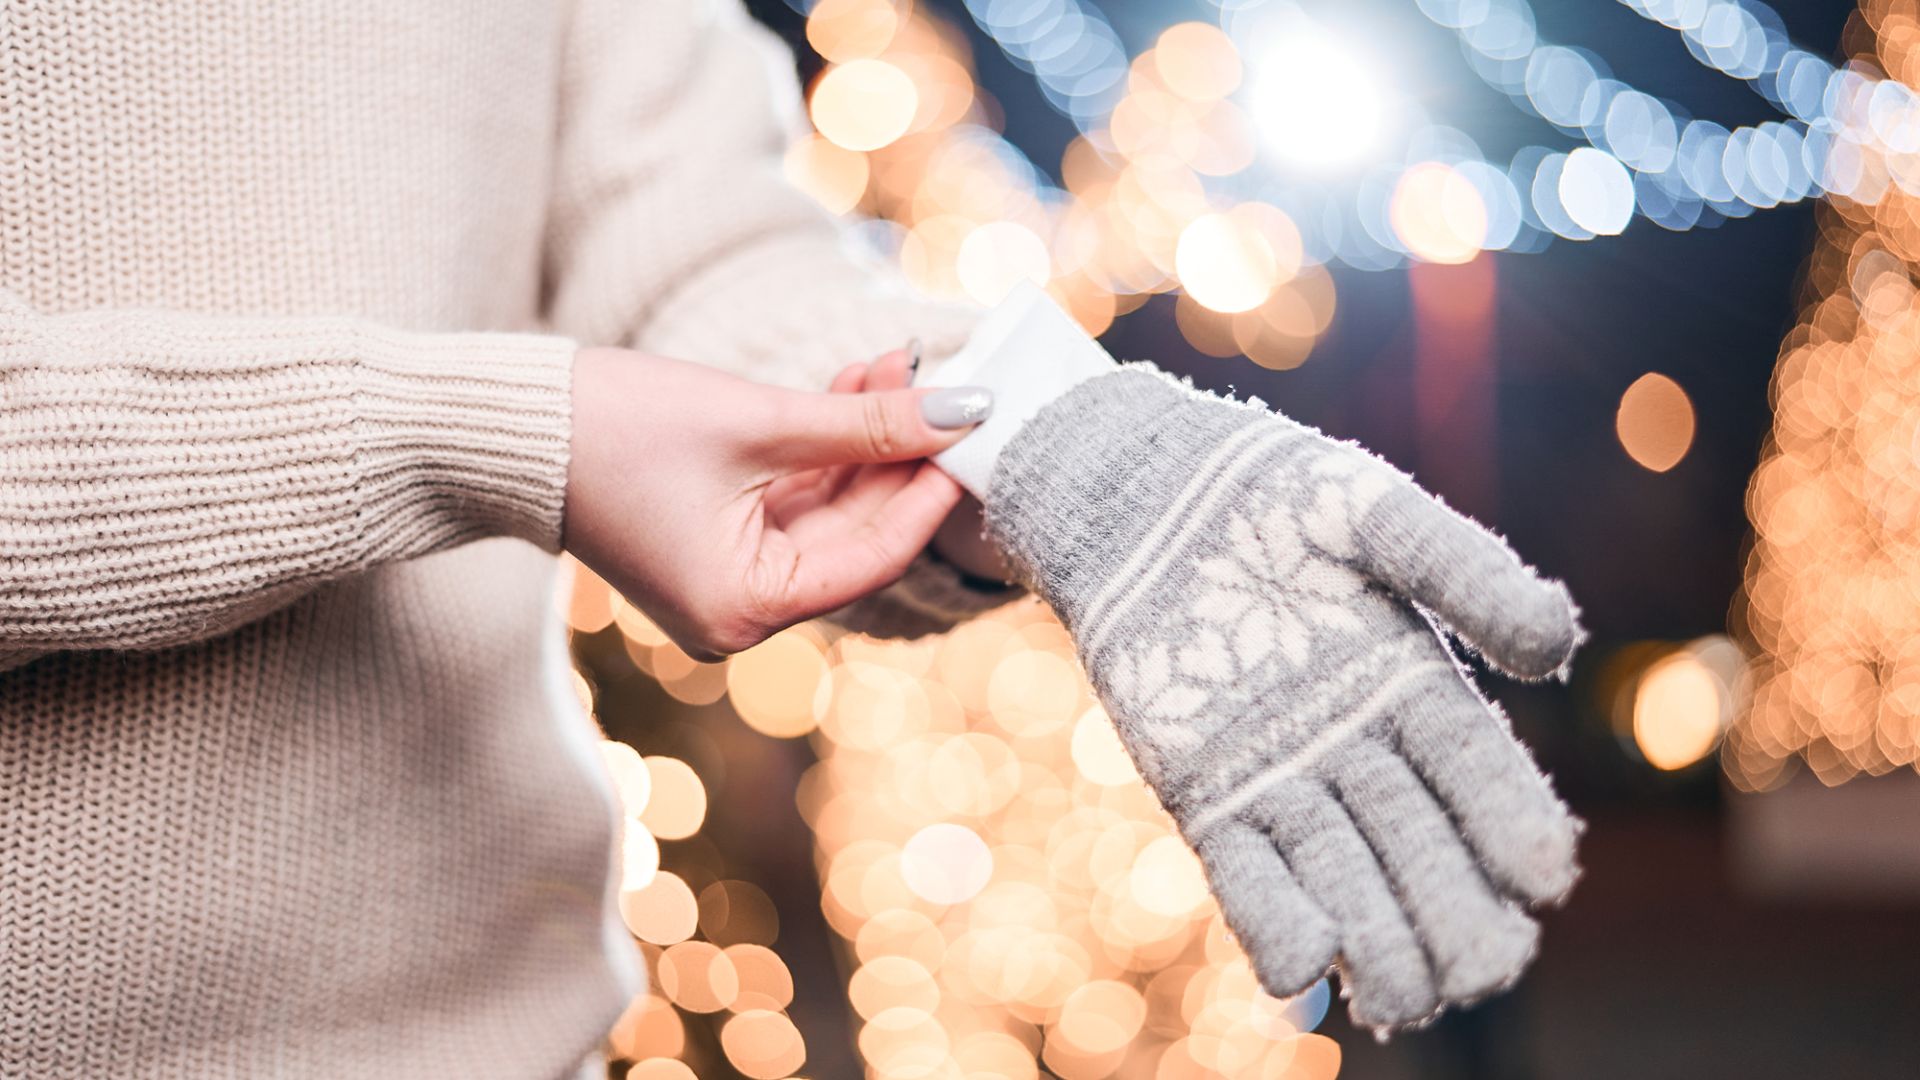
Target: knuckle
(884, 432)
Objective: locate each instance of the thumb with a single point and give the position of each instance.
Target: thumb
(810, 431)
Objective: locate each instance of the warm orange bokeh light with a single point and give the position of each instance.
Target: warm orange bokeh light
(1655, 422)
(1830, 607)
(678, 803)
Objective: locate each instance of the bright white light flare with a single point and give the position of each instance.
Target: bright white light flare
(1318, 103)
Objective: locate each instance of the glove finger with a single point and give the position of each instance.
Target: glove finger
(1477, 942)
(1287, 938)
(1384, 969)
(1522, 832)
(1412, 543)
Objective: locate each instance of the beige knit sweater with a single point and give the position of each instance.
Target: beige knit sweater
(289, 781)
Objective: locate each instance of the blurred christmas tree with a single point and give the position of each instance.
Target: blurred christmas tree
(1831, 605)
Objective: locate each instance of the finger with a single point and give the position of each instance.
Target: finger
(1523, 834)
(1477, 943)
(866, 493)
(1412, 543)
(862, 497)
(893, 371)
(804, 431)
(799, 492)
(832, 573)
(842, 493)
(793, 484)
(851, 380)
(1287, 938)
(793, 497)
(1383, 966)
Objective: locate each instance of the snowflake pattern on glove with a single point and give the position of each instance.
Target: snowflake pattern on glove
(1266, 602)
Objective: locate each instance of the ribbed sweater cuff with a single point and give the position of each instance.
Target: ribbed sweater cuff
(172, 476)
(463, 436)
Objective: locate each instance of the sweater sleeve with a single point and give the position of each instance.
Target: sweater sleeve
(168, 477)
(674, 232)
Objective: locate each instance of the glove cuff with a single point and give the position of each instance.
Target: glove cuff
(1090, 477)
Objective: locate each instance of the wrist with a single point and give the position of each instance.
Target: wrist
(962, 544)
(596, 387)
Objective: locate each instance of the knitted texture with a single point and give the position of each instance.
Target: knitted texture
(211, 470)
(1247, 596)
(291, 781)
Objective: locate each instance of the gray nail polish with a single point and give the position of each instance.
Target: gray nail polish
(957, 407)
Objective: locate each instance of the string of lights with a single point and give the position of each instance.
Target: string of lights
(1643, 155)
(1686, 171)
(1068, 46)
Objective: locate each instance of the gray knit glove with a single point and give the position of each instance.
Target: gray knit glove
(1255, 603)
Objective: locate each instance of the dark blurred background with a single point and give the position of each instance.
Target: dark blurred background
(1716, 934)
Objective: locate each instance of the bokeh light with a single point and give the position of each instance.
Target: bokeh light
(697, 976)
(1680, 707)
(843, 30)
(1225, 263)
(1318, 102)
(1009, 896)
(662, 912)
(660, 1069)
(997, 256)
(763, 1044)
(678, 802)
(1013, 896)
(835, 176)
(1597, 191)
(1829, 610)
(946, 864)
(1197, 61)
(649, 1028)
(780, 686)
(1439, 214)
(864, 104)
(1655, 422)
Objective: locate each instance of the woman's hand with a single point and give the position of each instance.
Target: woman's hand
(727, 510)
(961, 539)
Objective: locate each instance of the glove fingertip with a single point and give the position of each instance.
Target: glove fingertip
(1550, 867)
(1386, 1001)
(1503, 950)
(1309, 958)
(1540, 635)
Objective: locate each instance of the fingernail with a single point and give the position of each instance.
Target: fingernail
(957, 407)
(913, 358)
